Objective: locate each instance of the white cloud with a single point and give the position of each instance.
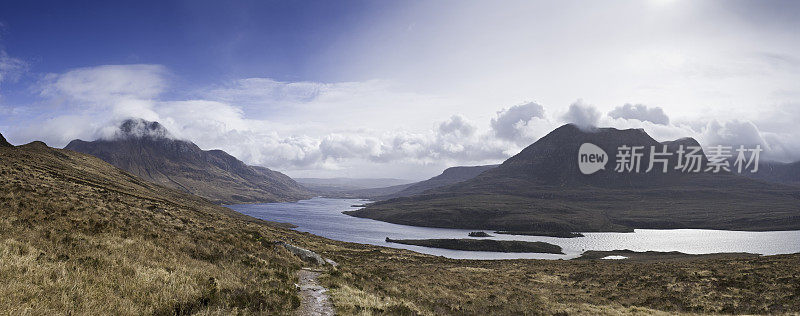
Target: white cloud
(266, 91)
(10, 67)
(513, 123)
(731, 133)
(107, 83)
(777, 146)
(457, 125)
(582, 114)
(640, 112)
(321, 108)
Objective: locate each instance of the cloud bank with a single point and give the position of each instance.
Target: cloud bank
(256, 120)
(640, 112)
(514, 123)
(581, 114)
(96, 100)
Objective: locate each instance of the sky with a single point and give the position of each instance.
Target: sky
(400, 89)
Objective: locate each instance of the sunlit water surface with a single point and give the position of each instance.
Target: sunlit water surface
(323, 217)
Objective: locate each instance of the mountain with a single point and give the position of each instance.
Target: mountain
(73, 226)
(373, 193)
(354, 188)
(542, 189)
(449, 176)
(777, 172)
(377, 189)
(147, 150)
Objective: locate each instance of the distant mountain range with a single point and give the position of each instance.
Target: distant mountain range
(542, 189)
(147, 150)
(338, 186)
(377, 189)
(449, 176)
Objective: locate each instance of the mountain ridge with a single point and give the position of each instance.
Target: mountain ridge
(146, 149)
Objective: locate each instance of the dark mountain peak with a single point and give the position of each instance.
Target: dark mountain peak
(146, 149)
(4, 143)
(140, 128)
(571, 132)
(565, 140)
(686, 142)
(553, 159)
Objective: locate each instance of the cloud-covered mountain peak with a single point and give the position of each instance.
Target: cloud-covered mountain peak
(140, 128)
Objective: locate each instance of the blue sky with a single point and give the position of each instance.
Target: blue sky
(399, 88)
(202, 41)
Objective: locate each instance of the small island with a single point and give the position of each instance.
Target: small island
(479, 234)
(660, 256)
(482, 245)
(556, 234)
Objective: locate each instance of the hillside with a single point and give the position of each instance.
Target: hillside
(147, 150)
(777, 172)
(78, 236)
(541, 189)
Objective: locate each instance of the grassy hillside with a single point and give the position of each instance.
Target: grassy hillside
(80, 236)
(402, 283)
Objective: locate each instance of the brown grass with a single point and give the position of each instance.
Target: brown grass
(407, 283)
(79, 236)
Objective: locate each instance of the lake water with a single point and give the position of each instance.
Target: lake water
(323, 217)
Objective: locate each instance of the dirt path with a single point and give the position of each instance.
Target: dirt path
(313, 298)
